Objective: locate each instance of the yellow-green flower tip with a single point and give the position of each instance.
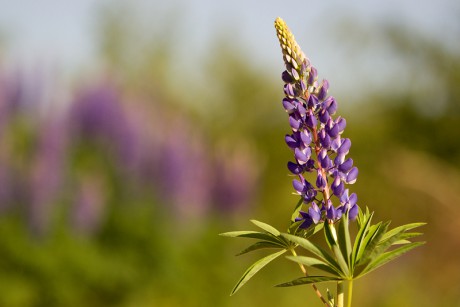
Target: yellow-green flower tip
(292, 53)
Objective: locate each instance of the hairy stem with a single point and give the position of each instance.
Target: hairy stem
(304, 270)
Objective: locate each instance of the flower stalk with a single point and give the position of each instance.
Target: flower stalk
(350, 292)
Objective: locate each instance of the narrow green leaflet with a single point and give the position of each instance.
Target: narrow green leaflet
(400, 229)
(398, 237)
(370, 249)
(308, 280)
(315, 263)
(242, 233)
(259, 245)
(343, 237)
(255, 235)
(313, 229)
(266, 227)
(363, 217)
(389, 256)
(254, 268)
(294, 227)
(373, 230)
(401, 242)
(331, 238)
(365, 221)
(403, 239)
(316, 250)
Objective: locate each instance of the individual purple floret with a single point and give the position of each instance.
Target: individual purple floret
(313, 216)
(316, 138)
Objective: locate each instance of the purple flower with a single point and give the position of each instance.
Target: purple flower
(302, 155)
(352, 175)
(289, 105)
(332, 213)
(305, 189)
(337, 186)
(316, 139)
(306, 218)
(349, 204)
(320, 181)
(322, 90)
(295, 168)
(313, 216)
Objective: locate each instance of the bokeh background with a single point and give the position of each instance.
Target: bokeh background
(132, 133)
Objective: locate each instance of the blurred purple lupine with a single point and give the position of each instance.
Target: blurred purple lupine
(97, 114)
(184, 176)
(89, 204)
(46, 177)
(235, 176)
(316, 138)
(143, 147)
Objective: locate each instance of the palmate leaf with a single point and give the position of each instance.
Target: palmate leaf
(371, 241)
(397, 236)
(403, 239)
(375, 255)
(254, 268)
(259, 245)
(395, 231)
(388, 256)
(308, 280)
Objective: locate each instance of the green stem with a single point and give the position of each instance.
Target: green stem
(350, 292)
(304, 270)
(340, 293)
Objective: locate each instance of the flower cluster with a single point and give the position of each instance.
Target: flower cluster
(316, 138)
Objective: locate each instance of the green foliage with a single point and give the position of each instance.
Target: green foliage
(270, 238)
(254, 268)
(369, 252)
(348, 261)
(308, 280)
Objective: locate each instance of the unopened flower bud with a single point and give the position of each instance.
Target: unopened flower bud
(322, 91)
(311, 119)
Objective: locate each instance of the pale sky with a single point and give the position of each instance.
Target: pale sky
(63, 32)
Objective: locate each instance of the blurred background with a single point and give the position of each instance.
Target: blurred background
(132, 133)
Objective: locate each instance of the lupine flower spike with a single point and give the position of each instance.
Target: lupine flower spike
(323, 173)
(316, 137)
